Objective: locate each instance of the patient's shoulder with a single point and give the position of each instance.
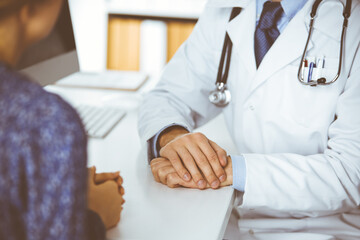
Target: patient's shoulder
(27, 107)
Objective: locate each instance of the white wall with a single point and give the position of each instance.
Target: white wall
(90, 20)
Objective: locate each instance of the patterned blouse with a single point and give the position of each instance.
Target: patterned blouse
(42, 165)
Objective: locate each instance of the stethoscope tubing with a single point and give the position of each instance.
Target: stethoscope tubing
(322, 81)
(222, 76)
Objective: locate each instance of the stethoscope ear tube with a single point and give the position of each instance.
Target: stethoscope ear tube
(315, 8)
(222, 75)
(323, 81)
(347, 10)
(221, 95)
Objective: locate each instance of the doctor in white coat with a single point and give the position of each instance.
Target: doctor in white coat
(298, 174)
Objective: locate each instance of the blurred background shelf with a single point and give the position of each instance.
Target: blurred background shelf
(182, 9)
(127, 36)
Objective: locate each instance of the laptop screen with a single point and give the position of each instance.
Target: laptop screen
(60, 41)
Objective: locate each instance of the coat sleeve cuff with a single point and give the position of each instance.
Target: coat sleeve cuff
(239, 172)
(153, 149)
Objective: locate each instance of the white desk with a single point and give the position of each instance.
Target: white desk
(153, 211)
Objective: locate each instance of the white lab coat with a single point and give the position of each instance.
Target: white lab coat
(302, 162)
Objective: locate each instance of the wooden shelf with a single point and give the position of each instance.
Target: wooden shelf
(123, 44)
(177, 33)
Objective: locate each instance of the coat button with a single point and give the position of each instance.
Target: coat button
(251, 232)
(251, 107)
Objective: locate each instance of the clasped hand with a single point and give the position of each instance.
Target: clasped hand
(191, 160)
(105, 196)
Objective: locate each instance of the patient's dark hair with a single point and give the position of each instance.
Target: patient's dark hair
(8, 7)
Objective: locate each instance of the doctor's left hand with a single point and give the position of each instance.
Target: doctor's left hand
(164, 172)
(194, 156)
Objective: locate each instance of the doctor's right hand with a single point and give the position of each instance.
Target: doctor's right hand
(164, 173)
(194, 156)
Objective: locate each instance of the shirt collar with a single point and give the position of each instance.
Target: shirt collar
(290, 7)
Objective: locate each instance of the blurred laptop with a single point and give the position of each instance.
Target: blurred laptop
(42, 61)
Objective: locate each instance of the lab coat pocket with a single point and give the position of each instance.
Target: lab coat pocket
(329, 69)
(326, 69)
(311, 107)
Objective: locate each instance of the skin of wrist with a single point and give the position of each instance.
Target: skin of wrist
(92, 203)
(170, 134)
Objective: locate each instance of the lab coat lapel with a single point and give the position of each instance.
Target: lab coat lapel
(288, 47)
(241, 32)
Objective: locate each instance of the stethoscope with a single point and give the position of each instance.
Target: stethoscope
(221, 96)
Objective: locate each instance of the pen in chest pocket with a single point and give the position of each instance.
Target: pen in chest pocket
(304, 65)
(320, 66)
(312, 65)
(313, 68)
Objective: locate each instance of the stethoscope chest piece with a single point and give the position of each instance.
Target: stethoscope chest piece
(220, 97)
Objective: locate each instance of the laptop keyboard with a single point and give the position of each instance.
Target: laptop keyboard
(99, 121)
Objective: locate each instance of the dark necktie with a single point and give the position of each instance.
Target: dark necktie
(266, 30)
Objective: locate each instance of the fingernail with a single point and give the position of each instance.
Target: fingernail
(225, 160)
(186, 177)
(222, 178)
(201, 183)
(116, 173)
(215, 184)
